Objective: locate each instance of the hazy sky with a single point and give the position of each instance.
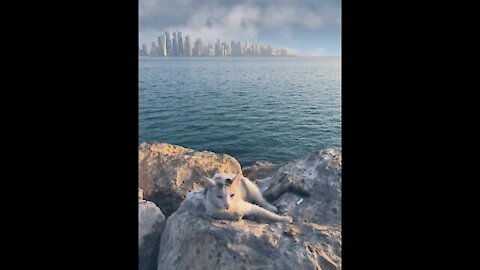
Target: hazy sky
(301, 26)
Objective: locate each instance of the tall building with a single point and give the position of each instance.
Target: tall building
(188, 46)
(218, 50)
(164, 45)
(240, 50)
(168, 43)
(269, 50)
(232, 48)
(162, 49)
(225, 49)
(257, 50)
(175, 44)
(153, 49)
(266, 51)
(211, 51)
(144, 50)
(180, 44)
(199, 49)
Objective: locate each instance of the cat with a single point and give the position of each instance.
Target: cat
(228, 196)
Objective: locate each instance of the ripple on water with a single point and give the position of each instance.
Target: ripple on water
(251, 108)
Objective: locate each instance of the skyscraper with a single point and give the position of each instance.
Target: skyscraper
(224, 49)
(269, 50)
(211, 51)
(257, 50)
(198, 47)
(153, 49)
(162, 50)
(168, 44)
(188, 46)
(175, 44)
(218, 50)
(239, 48)
(180, 44)
(144, 50)
(232, 48)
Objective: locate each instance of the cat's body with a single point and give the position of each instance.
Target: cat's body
(228, 196)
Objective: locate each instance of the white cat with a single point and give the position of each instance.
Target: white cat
(227, 196)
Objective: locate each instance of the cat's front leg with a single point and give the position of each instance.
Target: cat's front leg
(263, 214)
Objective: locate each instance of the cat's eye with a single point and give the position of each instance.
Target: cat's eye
(232, 195)
(220, 197)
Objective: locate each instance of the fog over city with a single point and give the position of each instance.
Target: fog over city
(303, 27)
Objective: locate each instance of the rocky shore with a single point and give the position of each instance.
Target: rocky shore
(174, 233)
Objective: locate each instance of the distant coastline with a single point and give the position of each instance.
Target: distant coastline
(178, 46)
(243, 56)
(214, 56)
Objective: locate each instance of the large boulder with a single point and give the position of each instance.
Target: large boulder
(151, 223)
(192, 240)
(167, 172)
(308, 189)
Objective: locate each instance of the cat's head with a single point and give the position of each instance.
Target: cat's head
(221, 188)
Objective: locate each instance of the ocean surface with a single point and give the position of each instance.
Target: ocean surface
(252, 108)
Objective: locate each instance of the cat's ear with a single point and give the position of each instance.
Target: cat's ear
(236, 181)
(208, 181)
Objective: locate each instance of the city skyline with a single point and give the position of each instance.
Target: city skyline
(177, 46)
(303, 27)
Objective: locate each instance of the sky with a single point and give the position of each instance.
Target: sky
(303, 27)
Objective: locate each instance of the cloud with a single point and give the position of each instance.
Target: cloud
(227, 24)
(279, 17)
(281, 21)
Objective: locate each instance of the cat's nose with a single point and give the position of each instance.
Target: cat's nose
(227, 206)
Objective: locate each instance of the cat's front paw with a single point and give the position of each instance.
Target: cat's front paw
(287, 219)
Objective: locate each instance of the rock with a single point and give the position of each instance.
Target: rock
(316, 179)
(167, 172)
(259, 170)
(193, 241)
(308, 189)
(151, 223)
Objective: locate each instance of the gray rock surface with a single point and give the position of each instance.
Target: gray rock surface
(193, 241)
(167, 172)
(259, 170)
(151, 223)
(316, 178)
